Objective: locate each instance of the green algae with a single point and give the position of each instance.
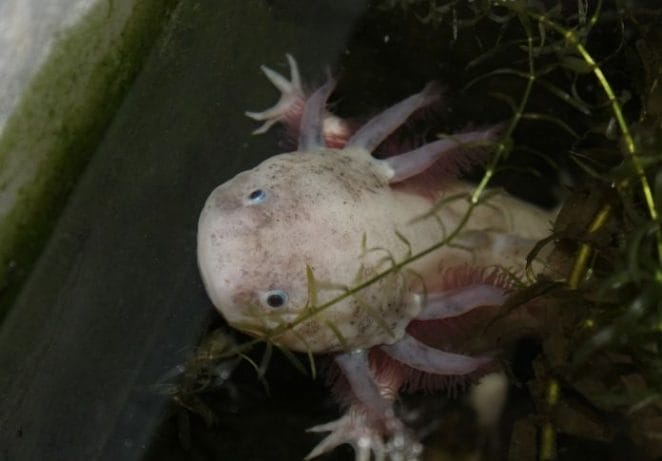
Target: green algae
(60, 119)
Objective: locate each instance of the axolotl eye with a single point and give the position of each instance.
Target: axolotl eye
(257, 196)
(274, 298)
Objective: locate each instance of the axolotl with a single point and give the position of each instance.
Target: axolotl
(331, 250)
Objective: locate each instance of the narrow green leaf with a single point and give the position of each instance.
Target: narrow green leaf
(296, 363)
(266, 358)
(312, 288)
(551, 119)
(341, 339)
(404, 240)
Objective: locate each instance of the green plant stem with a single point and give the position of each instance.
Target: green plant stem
(489, 171)
(548, 436)
(583, 254)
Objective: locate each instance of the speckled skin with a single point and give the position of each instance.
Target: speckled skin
(319, 207)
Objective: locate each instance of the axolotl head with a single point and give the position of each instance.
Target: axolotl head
(281, 246)
(262, 235)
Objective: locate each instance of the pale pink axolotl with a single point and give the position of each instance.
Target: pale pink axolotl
(332, 218)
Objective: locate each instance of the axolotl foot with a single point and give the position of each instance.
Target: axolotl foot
(386, 440)
(370, 425)
(290, 104)
(288, 110)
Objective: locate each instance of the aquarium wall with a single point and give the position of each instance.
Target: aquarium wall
(66, 67)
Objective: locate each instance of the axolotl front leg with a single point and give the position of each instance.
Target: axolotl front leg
(290, 106)
(370, 425)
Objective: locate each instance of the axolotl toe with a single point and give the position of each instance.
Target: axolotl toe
(329, 249)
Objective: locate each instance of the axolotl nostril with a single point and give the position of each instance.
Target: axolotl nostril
(333, 216)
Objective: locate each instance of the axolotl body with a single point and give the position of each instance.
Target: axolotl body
(329, 249)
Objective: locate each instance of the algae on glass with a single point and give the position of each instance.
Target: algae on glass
(59, 119)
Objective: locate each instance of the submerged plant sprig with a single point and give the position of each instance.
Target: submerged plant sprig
(631, 149)
(505, 145)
